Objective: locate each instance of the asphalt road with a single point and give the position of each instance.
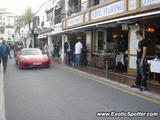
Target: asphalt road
(57, 94)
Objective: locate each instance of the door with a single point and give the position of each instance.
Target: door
(101, 40)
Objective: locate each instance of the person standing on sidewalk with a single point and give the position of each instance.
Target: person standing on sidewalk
(141, 79)
(5, 52)
(67, 50)
(78, 50)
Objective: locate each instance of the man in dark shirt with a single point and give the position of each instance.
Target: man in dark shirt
(141, 80)
(5, 52)
(67, 50)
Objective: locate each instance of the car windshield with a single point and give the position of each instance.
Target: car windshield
(31, 52)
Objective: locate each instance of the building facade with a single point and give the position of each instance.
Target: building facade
(53, 12)
(108, 26)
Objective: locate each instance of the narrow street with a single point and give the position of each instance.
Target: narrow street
(57, 94)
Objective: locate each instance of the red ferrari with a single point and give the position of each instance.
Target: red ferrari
(32, 58)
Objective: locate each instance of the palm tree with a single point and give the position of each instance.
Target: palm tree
(19, 23)
(25, 19)
(28, 16)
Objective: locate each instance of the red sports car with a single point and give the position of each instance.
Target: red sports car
(32, 58)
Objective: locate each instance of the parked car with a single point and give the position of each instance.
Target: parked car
(32, 58)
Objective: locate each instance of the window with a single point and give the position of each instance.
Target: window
(49, 15)
(1, 31)
(0, 20)
(57, 16)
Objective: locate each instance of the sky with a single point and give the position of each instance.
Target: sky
(18, 6)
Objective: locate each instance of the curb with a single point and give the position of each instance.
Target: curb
(152, 97)
(2, 103)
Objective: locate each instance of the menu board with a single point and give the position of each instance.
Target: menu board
(132, 62)
(133, 46)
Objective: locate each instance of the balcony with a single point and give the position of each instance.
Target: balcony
(58, 18)
(78, 8)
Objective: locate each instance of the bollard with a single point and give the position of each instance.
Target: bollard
(106, 70)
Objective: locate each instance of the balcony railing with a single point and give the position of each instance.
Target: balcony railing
(77, 8)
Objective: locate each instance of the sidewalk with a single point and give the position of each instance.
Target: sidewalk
(152, 97)
(99, 77)
(153, 87)
(2, 108)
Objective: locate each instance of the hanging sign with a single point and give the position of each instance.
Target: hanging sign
(75, 20)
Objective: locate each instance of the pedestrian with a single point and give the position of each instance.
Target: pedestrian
(45, 48)
(5, 52)
(141, 79)
(78, 50)
(67, 50)
(52, 49)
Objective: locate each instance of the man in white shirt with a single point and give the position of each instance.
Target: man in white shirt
(78, 50)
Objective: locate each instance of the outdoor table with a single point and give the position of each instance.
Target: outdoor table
(154, 67)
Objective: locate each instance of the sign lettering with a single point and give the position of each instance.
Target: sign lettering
(111, 9)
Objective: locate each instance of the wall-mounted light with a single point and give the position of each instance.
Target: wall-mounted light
(122, 36)
(114, 36)
(150, 30)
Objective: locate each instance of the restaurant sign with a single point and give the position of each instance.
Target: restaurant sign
(107, 10)
(149, 2)
(75, 20)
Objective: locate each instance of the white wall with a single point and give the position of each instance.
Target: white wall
(42, 15)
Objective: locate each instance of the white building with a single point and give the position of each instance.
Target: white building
(50, 16)
(7, 22)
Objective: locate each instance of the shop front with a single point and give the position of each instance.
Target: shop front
(110, 35)
(152, 36)
(42, 39)
(108, 42)
(73, 37)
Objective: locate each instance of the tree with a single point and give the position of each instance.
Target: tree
(19, 23)
(25, 19)
(28, 16)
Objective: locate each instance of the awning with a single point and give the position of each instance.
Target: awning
(116, 20)
(42, 36)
